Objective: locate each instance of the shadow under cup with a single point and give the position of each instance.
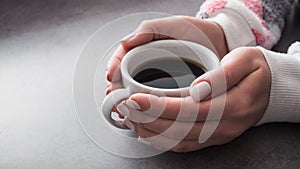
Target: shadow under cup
(162, 68)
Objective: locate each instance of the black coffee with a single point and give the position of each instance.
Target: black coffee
(168, 73)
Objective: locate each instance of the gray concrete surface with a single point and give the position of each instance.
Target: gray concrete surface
(39, 44)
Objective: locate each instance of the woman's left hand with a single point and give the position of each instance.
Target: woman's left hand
(175, 124)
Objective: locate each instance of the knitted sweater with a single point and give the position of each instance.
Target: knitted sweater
(260, 22)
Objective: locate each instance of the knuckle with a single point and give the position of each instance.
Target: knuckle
(145, 25)
(188, 111)
(259, 59)
(229, 72)
(253, 56)
(184, 17)
(242, 108)
(232, 133)
(134, 96)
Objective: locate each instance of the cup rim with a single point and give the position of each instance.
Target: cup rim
(193, 46)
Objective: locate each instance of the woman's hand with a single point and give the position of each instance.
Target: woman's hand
(186, 28)
(176, 123)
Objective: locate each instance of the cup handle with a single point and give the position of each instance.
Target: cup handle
(109, 101)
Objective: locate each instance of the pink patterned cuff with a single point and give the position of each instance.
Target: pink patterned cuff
(250, 10)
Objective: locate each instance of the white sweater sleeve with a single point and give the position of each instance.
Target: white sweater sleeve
(244, 25)
(241, 25)
(248, 23)
(284, 102)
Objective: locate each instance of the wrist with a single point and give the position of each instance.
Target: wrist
(284, 95)
(213, 32)
(218, 39)
(236, 29)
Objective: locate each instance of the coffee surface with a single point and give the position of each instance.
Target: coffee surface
(168, 73)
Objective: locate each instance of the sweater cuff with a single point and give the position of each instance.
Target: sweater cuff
(234, 26)
(284, 102)
(241, 21)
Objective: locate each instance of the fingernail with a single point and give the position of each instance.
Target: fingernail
(200, 91)
(127, 37)
(123, 110)
(141, 140)
(129, 124)
(133, 104)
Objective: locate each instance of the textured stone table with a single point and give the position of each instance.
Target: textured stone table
(39, 44)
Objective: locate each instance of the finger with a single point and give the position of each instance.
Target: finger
(164, 143)
(225, 131)
(139, 38)
(189, 145)
(170, 128)
(182, 109)
(108, 90)
(146, 32)
(175, 27)
(113, 86)
(186, 130)
(116, 85)
(234, 67)
(133, 114)
(113, 66)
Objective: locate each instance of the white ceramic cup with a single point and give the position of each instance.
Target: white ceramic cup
(154, 51)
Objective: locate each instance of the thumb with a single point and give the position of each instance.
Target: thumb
(127, 43)
(234, 67)
(137, 38)
(146, 32)
(156, 29)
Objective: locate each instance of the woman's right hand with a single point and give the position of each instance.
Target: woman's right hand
(206, 33)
